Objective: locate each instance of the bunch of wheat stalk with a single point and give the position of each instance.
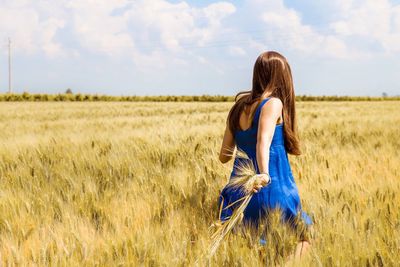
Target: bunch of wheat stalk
(244, 180)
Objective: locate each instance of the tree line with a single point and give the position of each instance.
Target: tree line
(166, 98)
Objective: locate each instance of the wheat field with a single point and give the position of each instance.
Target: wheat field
(137, 184)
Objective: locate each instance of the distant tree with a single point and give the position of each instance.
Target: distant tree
(384, 94)
(69, 91)
(26, 96)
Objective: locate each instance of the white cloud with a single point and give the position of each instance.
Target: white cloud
(160, 25)
(376, 20)
(141, 29)
(158, 32)
(29, 28)
(97, 30)
(356, 29)
(287, 30)
(153, 33)
(177, 25)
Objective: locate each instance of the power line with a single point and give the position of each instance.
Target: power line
(267, 36)
(322, 28)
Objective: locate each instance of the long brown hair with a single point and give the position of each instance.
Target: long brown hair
(271, 75)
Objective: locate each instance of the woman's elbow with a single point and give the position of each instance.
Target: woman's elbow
(224, 159)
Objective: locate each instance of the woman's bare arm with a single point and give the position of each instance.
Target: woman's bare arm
(228, 145)
(270, 113)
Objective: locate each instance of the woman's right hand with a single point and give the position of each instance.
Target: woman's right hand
(261, 180)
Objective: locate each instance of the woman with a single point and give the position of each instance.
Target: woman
(262, 123)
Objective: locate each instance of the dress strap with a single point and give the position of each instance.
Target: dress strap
(258, 111)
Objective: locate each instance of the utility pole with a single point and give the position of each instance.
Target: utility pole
(9, 66)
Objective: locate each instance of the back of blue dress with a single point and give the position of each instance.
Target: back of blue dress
(282, 191)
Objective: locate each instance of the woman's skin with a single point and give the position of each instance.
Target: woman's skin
(271, 114)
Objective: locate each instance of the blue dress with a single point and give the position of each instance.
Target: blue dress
(282, 191)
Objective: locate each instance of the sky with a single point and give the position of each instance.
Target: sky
(160, 47)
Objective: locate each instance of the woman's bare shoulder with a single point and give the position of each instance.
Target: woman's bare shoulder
(274, 103)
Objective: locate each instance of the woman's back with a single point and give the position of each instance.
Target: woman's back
(246, 140)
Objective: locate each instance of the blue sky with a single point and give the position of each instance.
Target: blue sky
(159, 47)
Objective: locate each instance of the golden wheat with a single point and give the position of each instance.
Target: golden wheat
(117, 183)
